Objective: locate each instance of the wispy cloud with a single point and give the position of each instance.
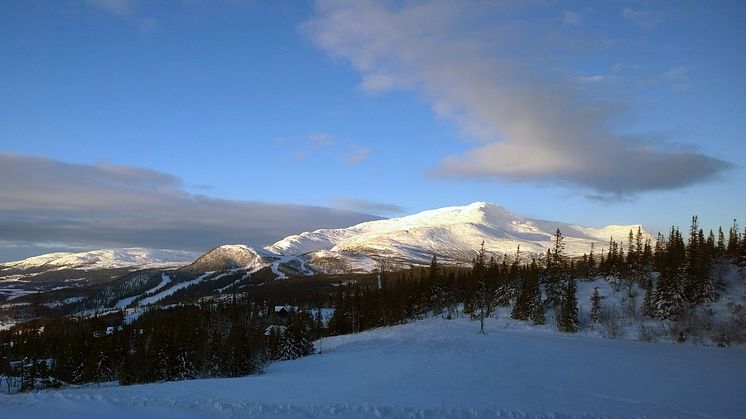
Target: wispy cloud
(678, 77)
(370, 207)
(115, 7)
(126, 9)
(646, 19)
(49, 201)
(357, 155)
(321, 138)
(532, 124)
(570, 17)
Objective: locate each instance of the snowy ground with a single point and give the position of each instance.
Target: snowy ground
(438, 368)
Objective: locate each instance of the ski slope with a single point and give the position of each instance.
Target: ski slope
(440, 369)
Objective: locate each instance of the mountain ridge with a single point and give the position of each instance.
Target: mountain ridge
(452, 233)
(114, 258)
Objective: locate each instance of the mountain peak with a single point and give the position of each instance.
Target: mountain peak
(452, 233)
(227, 256)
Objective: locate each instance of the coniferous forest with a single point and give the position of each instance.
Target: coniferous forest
(674, 278)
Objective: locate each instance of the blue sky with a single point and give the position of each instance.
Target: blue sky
(587, 112)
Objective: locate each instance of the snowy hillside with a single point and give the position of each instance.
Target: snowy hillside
(452, 233)
(226, 257)
(438, 369)
(101, 259)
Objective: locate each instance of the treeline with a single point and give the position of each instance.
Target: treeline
(229, 337)
(185, 342)
(676, 276)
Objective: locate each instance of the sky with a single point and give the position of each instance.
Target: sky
(189, 124)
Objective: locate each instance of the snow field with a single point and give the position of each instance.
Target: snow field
(441, 369)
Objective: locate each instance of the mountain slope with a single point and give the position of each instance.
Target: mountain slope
(452, 233)
(226, 257)
(100, 259)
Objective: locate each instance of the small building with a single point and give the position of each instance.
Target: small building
(284, 310)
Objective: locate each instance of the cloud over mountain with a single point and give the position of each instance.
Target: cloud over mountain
(45, 201)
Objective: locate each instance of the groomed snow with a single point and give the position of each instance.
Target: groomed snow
(438, 368)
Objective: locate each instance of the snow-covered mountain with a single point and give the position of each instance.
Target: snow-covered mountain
(135, 257)
(229, 256)
(452, 233)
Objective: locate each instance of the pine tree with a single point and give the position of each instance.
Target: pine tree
(596, 306)
(28, 373)
(162, 367)
(102, 372)
(295, 342)
(528, 304)
(698, 283)
(720, 247)
(733, 240)
(183, 368)
(482, 296)
(648, 303)
(669, 292)
(742, 257)
(555, 271)
(437, 290)
(591, 269)
(567, 318)
(522, 307)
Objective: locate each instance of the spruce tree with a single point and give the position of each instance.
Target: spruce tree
(733, 240)
(595, 306)
(591, 268)
(669, 292)
(648, 303)
(183, 368)
(742, 256)
(555, 274)
(522, 307)
(482, 296)
(567, 318)
(720, 247)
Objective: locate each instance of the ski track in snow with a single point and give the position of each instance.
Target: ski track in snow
(437, 368)
(165, 280)
(181, 285)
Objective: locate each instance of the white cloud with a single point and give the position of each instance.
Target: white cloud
(532, 125)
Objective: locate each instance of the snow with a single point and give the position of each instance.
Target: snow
(452, 233)
(441, 369)
(181, 285)
(13, 293)
(104, 259)
(165, 280)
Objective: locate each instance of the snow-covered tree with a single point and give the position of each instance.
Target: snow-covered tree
(567, 318)
(596, 306)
